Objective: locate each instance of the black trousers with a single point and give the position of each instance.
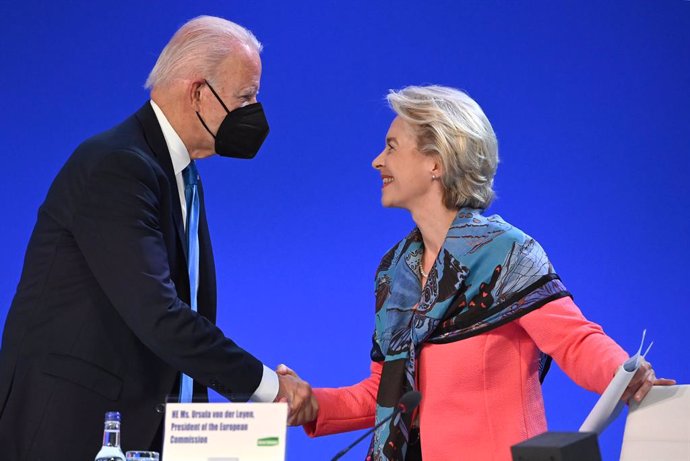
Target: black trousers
(414, 446)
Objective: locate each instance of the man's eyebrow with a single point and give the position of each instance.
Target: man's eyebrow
(251, 91)
(391, 139)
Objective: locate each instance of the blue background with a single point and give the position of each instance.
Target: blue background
(590, 101)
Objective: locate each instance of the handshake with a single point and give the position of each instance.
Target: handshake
(302, 405)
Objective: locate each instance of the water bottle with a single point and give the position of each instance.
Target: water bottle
(111, 450)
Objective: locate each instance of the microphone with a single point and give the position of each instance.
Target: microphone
(407, 403)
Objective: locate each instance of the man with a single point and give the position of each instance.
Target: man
(116, 304)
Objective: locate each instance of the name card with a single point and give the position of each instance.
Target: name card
(225, 432)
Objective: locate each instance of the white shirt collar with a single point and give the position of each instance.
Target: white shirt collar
(178, 151)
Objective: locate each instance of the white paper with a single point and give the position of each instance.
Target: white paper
(658, 428)
(609, 405)
(225, 432)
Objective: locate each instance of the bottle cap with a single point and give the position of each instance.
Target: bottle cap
(112, 416)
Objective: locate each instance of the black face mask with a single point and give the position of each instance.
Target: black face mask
(241, 132)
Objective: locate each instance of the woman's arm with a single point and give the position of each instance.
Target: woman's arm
(580, 347)
(346, 408)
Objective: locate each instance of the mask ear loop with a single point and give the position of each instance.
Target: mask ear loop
(205, 126)
(221, 103)
(217, 97)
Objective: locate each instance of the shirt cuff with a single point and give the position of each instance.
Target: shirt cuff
(268, 387)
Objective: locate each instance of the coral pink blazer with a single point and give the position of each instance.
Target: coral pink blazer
(482, 394)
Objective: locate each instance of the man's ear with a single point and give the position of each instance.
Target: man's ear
(194, 93)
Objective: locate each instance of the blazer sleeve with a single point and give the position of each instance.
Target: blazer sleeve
(117, 229)
(580, 347)
(346, 408)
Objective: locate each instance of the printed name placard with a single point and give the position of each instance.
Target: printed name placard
(225, 432)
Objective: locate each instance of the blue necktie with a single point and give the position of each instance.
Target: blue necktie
(191, 195)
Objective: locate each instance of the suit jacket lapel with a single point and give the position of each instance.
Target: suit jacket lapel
(206, 297)
(156, 140)
(207, 270)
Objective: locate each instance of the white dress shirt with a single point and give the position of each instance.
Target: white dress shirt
(268, 387)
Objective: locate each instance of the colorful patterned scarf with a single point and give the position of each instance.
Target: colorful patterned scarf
(487, 273)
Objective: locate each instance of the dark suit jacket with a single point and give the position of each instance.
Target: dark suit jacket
(100, 320)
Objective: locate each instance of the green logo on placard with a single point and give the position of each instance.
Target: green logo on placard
(267, 442)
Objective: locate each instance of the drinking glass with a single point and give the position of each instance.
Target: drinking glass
(142, 456)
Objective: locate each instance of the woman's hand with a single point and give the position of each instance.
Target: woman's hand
(642, 382)
(309, 411)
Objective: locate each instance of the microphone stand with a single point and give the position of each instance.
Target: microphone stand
(342, 453)
(407, 403)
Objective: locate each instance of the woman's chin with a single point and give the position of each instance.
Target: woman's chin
(392, 204)
(387, 202)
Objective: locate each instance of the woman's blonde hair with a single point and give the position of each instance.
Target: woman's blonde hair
(452, 126)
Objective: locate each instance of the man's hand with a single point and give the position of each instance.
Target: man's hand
(297, 393)
(642, 382)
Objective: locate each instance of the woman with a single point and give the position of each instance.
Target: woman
(468, 308)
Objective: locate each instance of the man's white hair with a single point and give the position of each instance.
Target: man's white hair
(197, 48)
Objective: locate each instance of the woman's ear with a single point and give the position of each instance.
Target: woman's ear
(436, 167)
